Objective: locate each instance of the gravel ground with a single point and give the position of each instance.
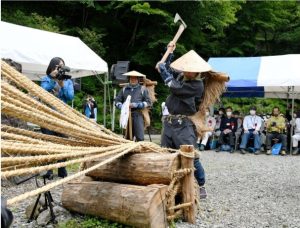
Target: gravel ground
(243, 191)
(18, 209)
(250, 191)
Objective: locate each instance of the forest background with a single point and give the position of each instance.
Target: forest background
(138, 31)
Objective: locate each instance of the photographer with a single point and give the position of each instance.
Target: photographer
(275, 129)
(61, 86)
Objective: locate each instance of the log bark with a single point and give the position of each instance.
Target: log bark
(138, 206)
(139, 168)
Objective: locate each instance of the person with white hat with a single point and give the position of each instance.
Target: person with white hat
(184, 99)
(139, 99)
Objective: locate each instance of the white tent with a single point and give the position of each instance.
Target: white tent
(267, 76)
(35, 48)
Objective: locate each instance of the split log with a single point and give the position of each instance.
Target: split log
(138, 206)
(139, 168)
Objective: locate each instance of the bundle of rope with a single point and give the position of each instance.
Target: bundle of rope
(27, 152)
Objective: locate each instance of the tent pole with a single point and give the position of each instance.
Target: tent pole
(104, 101)
(113, 112)
(292, 127)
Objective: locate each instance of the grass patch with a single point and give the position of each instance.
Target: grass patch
(73, 168)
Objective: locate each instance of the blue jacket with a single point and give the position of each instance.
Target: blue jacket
(66, 93)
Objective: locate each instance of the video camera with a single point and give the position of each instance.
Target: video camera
(61, 75)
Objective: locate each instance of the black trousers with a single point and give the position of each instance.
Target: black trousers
(137, 125)
(280, 137)
(182, 132)
(229, 135)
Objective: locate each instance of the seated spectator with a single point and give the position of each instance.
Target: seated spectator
(236, 114)
(275, 130)
(218, 119)
(228, 128)
(210, 122)
(252, 126)
(295, 122)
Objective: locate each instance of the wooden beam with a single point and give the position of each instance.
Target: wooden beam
(188, 189)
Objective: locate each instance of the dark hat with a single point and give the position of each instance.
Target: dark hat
(253, 108)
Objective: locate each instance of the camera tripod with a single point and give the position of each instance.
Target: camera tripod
(48, 200)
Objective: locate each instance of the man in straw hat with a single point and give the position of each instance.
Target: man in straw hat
(186, 93)
(139, 99)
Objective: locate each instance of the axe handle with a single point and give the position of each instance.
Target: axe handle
(176, 37)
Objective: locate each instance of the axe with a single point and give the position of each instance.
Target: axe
(181, 28)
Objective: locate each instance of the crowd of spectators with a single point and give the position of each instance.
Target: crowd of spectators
(231, 131)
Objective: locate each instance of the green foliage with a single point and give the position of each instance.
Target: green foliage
(93, 39)
(263, 105)
(91, 222)
(33, 20)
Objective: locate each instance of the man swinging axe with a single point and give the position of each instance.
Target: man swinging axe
(183, 101)
(139, 99)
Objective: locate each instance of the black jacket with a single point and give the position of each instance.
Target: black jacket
(228, 123)
(185, 96)
(139, 94)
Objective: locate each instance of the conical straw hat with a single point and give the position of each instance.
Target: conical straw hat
(191, 62)
(134, 74)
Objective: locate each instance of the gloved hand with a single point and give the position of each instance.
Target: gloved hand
(119, 105)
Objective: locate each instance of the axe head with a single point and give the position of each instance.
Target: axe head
(178, 18)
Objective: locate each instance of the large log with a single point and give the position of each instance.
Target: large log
(138, 206)
(139, 168)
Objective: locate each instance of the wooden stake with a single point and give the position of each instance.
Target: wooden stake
(188, 190)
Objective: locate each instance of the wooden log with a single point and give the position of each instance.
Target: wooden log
(188, 190)
(138, 206)
(139, 168)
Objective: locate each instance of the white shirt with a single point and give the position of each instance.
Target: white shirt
(252, 122)
(296, 124)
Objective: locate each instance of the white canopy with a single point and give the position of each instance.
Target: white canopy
(267, 76)
(35, 48)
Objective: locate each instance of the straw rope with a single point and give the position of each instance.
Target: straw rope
(49, 138)
(49, 158)
(39, 169)
(66, 179)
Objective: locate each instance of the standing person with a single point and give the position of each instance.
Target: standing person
(139, 99)
(275, 129)
(252, 125)
(61, 88)
(295, 122)
(90, 108)
(210, 122)
(183, 101)
(228, 128)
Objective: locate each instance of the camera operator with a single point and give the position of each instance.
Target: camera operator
(60, 85)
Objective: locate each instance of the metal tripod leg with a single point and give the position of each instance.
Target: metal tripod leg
(34, 208)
